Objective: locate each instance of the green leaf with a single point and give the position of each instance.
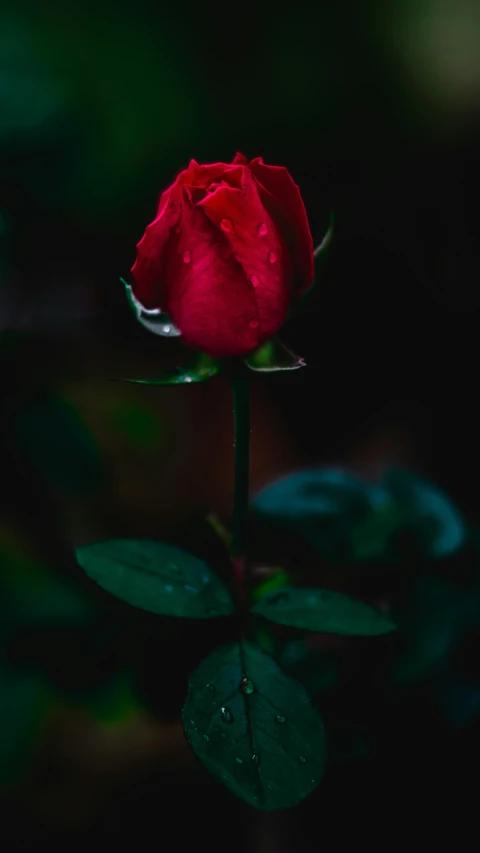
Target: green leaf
(324, 611)
(275, 582)
(153, 319)
(156, 577)
(197, 369)
(254, 728)
(437, 523)
(273, 356)
(323, 505)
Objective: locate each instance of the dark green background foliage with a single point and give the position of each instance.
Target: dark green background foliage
(373, 108)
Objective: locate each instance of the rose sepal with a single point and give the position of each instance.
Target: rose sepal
(154, 319)
(319, 255)
(199, 367)
(273, 356)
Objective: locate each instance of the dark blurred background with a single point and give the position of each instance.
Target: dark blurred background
(374, 109)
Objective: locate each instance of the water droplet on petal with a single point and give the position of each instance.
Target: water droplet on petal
(210, 688)
(255, 280)
(254, 324)
(226, 715)
(262, 230)
(206, 738)
(187, 257)
(255, 759)
(239, 760)
(168, 587)
(226, 225)
(247, 686)
(302, 759)
(272, 257)
(280, 719)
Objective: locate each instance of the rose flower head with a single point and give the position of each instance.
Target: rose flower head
(228, 251)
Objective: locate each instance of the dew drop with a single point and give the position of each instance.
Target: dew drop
(226, 715)
(239, 760)
(255, 759)
(280, 719)
(210, 688)
(222, 734)
(226, 225)
(262, 230)
(216, 729)
(172, 567)
(190, 588)
(254, 324)
(206, 738)
(255, 280)
(302, 759)
(272, 257)
(188, 379)
(247, 686)
(167, 329)
(187, 257)
(168, 587)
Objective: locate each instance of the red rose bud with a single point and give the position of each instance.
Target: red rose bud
(228, 250)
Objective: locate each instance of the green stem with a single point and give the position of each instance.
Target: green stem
(241, 412)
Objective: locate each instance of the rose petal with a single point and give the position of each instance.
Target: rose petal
(282, 198)
(209, 297)
(240, 158)
(202, 176)
(147, 270)
(264, 259)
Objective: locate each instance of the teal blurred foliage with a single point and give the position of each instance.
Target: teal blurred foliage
(32, 600)
(52, 437)
(24, 703)
(346, 519)
(113, 105)
(428, 557)
(58, 648)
